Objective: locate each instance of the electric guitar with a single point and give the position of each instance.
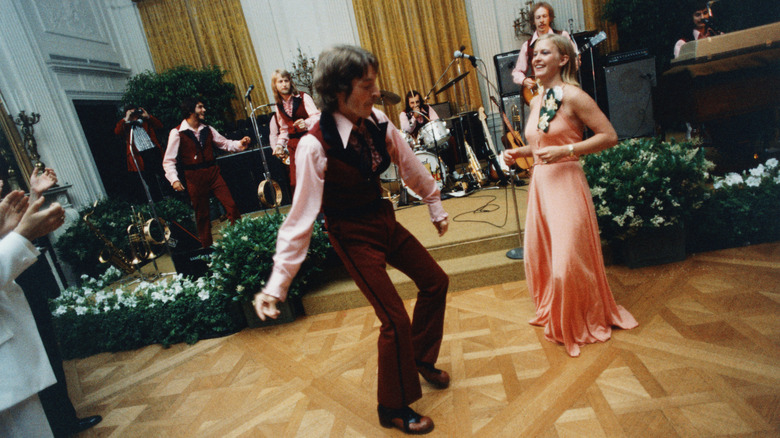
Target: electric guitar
(530, 93)
(501, 169)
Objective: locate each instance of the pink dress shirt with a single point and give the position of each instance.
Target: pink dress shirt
(172, 151)
(409, 125)
(518, 74)
(295, 233)
(311, 110)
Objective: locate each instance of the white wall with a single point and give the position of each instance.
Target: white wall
(52, 52)
(279, 28)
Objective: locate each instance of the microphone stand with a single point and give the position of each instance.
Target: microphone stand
(266, 172)
(150, 201)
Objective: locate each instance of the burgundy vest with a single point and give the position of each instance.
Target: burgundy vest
(351, 188)
(299, 112)
(194, 154)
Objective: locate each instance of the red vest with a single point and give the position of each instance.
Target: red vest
(299, 112)
(194, 154)
(349, 190)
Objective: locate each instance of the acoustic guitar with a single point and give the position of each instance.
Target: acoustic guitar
(514, 138)
(530, 93)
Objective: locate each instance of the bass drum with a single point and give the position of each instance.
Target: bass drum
(431, 162)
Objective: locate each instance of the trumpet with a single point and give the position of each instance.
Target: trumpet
(110, 253)
(143, 245)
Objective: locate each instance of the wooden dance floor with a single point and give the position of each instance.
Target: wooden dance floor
(704, 362)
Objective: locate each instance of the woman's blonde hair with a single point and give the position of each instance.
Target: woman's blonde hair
(278, 74)
(563, 44)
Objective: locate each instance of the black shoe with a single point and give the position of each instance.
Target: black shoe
(405, 419)
(86, 423)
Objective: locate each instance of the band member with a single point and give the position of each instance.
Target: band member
(295, 114)
(416, 114)
(192, 145)
(701, 28)
(564, 266)
(543, 17)
(339, 166)
(145, 147)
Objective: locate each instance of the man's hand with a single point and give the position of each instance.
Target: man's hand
(300, 124)
(244, 143)
(12, 209)
(177, 185)
(529, 83)
(265, 306)
(35, 223)
(441, 226)
(40, 182)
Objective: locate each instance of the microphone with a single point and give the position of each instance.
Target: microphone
(248, 91)
(473, 59)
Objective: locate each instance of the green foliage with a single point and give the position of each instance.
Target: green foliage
(742, 209)
(243, 258)
(161, 94)
(95, 318)
(645, 183)
(79, 247)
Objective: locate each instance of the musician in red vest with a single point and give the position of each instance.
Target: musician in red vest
(543, 17)
(192, 145)
(340, 161)
(295, 114)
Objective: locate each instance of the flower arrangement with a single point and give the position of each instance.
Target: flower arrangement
(741, 209)
(97, 316)
(243, 258)
(645, 183)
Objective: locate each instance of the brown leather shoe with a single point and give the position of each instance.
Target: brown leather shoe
(405, 419)
(436, 377)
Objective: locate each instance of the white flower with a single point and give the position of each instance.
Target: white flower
(657, 221)
(60, 310)
(733, 179)
(80, 310)
(771, 163)
(245, 238)
(240, 288)
(718, 184)
(543, 122)
(598, 190)
(80, 300)
(758, 171)
(753, 181)
(604, 211)
(558, 92)
(203, 295)
(777, 179)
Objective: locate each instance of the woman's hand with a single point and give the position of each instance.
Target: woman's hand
(551, 154)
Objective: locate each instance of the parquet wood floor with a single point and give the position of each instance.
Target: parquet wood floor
(704, 362)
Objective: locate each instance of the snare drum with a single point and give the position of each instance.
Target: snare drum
(434, 134)
(431, 163)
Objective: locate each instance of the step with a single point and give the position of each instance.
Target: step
(339, 292)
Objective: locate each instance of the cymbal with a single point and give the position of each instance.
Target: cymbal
(452, 82)
(387, 97)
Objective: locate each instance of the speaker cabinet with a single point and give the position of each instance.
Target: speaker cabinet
(505, 63)
(442, 109)
(629, 96)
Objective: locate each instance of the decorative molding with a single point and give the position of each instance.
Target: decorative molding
(72, 18)
(70, 65)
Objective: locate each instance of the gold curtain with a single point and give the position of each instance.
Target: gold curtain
(202, 33)
(594, 11)
(414, 41)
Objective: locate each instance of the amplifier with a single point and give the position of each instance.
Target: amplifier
(623, 57)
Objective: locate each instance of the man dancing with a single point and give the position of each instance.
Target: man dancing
(192, 144)
(340, 163)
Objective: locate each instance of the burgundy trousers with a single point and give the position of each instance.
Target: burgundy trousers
(200, 184)
(366, 245)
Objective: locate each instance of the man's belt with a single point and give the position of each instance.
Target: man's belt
(204, 165)
(298, 134)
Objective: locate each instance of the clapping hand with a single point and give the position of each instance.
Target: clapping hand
(12, 208)
(40, 182)
(36, 223)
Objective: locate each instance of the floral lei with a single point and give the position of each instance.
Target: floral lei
(552, 101)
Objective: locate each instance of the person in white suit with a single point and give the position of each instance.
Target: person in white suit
(23, 361)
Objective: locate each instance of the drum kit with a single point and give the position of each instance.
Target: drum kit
(432, 139)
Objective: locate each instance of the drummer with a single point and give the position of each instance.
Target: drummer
(416, 114)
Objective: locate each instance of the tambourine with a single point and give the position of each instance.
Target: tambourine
(261, 193)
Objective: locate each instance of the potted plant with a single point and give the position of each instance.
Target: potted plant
(644, 190)
(243, 258)
(741, 209)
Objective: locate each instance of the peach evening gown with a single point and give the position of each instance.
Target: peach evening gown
(563, 263)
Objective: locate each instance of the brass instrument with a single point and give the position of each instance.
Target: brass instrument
(516, 119)
(110, 253)
(143, 245)
(474, 167)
